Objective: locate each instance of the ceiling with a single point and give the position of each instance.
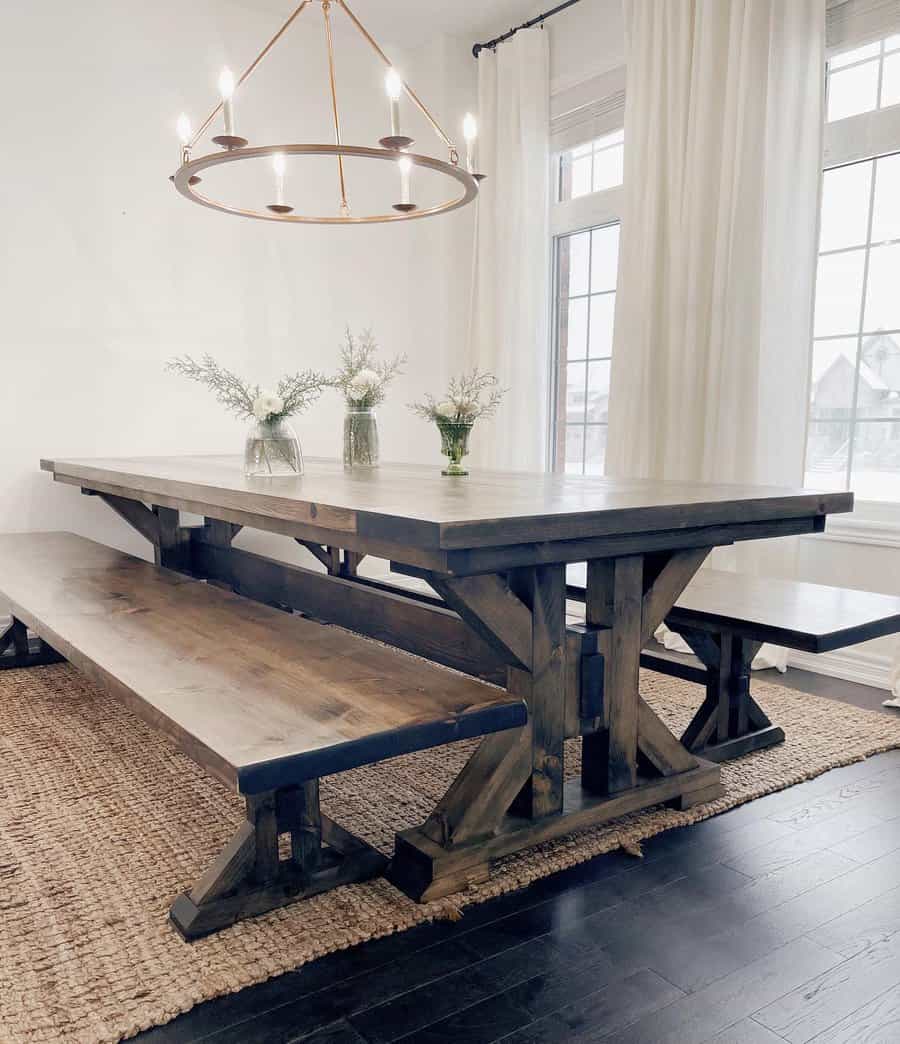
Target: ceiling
(409, 23)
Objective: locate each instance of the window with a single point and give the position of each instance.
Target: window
(864, 79)
(592, 167)
(585, 225)
(586, 266)
(854, 422)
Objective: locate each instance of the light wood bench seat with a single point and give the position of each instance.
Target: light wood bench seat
(266, 701)
(725, 617)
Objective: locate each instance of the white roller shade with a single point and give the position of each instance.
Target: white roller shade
(852, 23)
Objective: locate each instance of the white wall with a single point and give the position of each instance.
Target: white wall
(107, 272)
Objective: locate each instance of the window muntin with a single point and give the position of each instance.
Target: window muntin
(586, 270)
(864, 79)
(593, 167)
(854, 431)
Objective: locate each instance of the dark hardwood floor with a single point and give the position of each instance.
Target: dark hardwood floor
(777, 921)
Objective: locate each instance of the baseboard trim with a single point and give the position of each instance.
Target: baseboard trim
(864, 668)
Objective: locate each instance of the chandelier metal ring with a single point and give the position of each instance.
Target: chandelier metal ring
(192, 169)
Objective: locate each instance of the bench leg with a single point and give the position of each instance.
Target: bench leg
(250, 877)
(729, 722)
(18, 650)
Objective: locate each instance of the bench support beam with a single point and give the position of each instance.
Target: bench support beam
(250, 877)
(17, 650)
(729, 722)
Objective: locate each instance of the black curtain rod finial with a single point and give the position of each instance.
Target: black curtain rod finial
(538, 20)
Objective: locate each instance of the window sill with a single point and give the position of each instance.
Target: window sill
(877, 525)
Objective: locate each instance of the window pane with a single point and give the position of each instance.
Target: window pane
(890, 80)
(595, 450)
(604, 258)
(876, 461)
(851, 91)
(838, 293)
(608, 168)
(826, 455)
(833, 377)
(574, 450)
(579, 254)
(576, 344)
(603, 308)
(881, 364)
(581, 177)
(886, 212)
(575, 379)
(891, 42)
(845, 206)
(605, 140)
(856, 55)
(598, 391)
(882, 296)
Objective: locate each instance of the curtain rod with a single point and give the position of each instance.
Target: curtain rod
(492, 44)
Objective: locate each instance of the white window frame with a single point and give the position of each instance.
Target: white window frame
(854, 139)
(601, 115)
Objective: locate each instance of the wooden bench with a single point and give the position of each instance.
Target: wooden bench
(264, 700)
(725, 618)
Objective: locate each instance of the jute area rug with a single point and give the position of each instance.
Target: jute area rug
(103, 822)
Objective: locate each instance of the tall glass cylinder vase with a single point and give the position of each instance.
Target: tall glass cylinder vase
(360, 437)
(272, 448)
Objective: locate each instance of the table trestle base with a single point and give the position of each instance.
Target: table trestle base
(426, 870)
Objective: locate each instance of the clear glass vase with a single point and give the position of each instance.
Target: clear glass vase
(454, 444)
(272, 448)
(360, 437)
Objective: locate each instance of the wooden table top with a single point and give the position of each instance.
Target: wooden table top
(416, 505)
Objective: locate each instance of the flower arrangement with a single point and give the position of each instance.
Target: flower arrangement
(364, 379)
(469, 397)
(272, 447)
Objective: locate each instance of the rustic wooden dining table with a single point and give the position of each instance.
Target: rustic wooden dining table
(493, 548)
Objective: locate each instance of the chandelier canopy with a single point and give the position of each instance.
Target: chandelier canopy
(461, 179)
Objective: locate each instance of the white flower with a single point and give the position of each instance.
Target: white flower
(446, 409)
(267, 404)
(364, 383)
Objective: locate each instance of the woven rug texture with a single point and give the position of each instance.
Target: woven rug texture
(103, 822)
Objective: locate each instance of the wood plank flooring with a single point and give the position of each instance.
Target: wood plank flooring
(778, 921)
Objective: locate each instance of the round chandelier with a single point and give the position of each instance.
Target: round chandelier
(461, 179)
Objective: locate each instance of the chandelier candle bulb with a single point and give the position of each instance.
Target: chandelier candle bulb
(278, 164)
(394, 87)
(226, 89)
(184, 130)
(405, 166)
(470, 133)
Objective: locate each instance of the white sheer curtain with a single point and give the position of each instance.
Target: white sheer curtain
(510, 282)
(723, 118)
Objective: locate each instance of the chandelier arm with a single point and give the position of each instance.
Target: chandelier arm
(249, 70)
(334, 103)
(409, 91)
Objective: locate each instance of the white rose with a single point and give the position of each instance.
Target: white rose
(267, 404)
(446, 409)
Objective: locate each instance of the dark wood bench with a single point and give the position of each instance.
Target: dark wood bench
(266, 701)
(726, 617)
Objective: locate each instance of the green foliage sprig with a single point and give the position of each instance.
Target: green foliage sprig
(293, 394)
(363, 377)
(464, 401)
